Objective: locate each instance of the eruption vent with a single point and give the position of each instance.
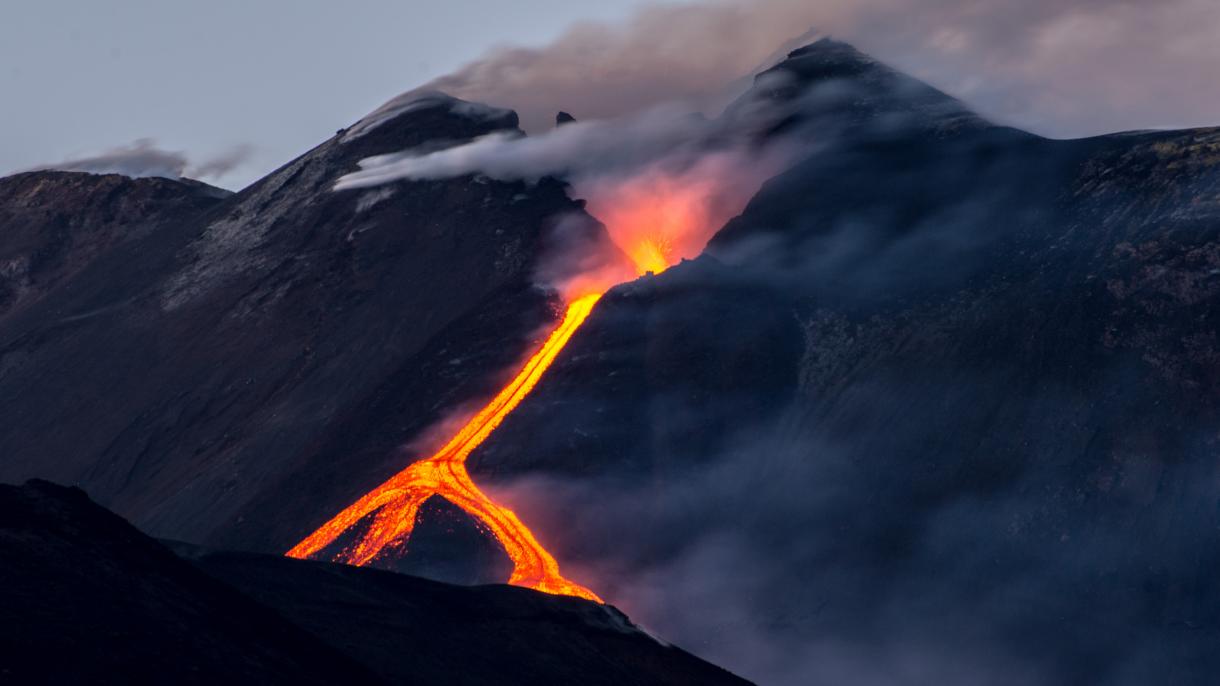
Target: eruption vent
(664, 213)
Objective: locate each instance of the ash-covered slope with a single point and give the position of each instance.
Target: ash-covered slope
(191, 370)
(86, 598)
(54, 224)
(941, 404)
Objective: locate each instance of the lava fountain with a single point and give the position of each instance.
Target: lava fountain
(655, 218)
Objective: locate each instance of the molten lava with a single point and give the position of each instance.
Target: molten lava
(655, 218)
(397, 501)
(658, 216)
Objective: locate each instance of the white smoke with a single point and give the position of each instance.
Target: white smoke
(585, 147)
(660, 177)
(143, 157)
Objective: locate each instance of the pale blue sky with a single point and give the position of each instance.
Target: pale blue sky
(80, 76)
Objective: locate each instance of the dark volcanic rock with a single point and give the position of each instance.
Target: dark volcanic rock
(969, 383)
(205, 368)
(564, 118)
(85, 598)
(838, 90)
(448, 544)
(54, 224)
(412, 630)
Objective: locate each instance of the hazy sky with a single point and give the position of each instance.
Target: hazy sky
(81, 76)
(181, 86)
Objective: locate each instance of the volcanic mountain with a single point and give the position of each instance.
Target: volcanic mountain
(207, 359)
(938, 405)
(951, 389)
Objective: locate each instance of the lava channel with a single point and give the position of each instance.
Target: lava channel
(397, 501)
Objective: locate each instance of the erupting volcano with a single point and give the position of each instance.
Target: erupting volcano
(657, 219)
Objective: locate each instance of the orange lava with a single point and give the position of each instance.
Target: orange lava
(397, 501)
(655, 218)
(659, 216)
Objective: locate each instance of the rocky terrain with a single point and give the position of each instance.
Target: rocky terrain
(945, 392)
(57, 223)
(87, 598)
(200, 362)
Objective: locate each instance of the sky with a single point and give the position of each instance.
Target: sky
(226, 91)
(79, 77)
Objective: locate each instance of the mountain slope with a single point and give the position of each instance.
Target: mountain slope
(56, 223)
(202, 364)
(87, 598)
(939, 391)
(412, 630)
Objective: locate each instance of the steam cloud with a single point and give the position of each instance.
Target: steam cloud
(1065, 69)
(1059, 68)
(582, 149)
(143, 157)
(664, 172)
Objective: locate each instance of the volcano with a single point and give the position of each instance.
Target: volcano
(940, 399)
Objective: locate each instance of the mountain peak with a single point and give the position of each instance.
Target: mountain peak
(421, 100)
(836, 53)
(828, 76)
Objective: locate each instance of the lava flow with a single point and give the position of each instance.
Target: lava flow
(654, 219)
(398, 500)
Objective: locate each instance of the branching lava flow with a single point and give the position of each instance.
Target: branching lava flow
(397, 501)
(654, 219)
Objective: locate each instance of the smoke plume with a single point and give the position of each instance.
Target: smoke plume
(143, 157)
(662, 181)
(1059, 68)
(664, 54)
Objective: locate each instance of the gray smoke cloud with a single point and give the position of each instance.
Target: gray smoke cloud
(1059, 68)
(662, 177)
(143, 157)
(605, 146)
(665, 53)
(580, 150)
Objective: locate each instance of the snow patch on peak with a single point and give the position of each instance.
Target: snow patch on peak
(418, 100)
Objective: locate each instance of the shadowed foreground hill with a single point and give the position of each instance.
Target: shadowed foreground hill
(86, 598)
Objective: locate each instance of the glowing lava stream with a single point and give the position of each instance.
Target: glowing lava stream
(655, 217)
(397, 501)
